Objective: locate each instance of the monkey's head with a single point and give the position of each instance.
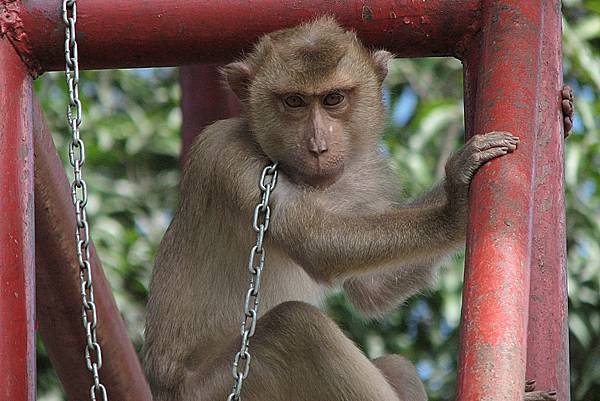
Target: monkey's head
(312, 97)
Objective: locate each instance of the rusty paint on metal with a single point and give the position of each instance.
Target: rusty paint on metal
(207, 31)
(502, 75)
(11, 26)
(57, 281)
(17, 277)
(548, 335)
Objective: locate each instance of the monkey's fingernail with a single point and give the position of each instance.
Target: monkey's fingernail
(530, 381)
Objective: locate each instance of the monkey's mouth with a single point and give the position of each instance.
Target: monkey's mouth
(315, 174)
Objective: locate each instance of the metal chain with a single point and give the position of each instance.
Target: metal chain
(256, 262)
(93, 352)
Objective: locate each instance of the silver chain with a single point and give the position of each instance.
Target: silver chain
(93, 352)
(256, 262)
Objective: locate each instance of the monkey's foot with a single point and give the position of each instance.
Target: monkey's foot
(532, 395)
(567, 108)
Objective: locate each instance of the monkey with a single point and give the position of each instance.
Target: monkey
(312, 99)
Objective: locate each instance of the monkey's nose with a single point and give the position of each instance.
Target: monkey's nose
(317, 145)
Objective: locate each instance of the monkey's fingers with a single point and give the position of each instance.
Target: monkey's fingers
(540, 396)
(496, 139)
(567, 109)
(567, 92)
(529, 385)
(568, 124)
(480, 158)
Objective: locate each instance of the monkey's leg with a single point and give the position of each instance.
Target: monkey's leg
(532, 395)
(298, 354)
(402, 375)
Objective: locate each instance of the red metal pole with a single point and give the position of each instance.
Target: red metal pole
(17, 285)
(174, 32)
(496, 293)
(204, 100)
(548, 333)
(57, 282)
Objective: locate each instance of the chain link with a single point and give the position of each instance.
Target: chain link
(256, 262)
(93, 351)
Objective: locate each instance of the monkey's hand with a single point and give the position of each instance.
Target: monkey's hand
(461, 167)
(567, 108)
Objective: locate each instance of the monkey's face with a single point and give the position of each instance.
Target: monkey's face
(307, 134)
(313, 118)
(312, 96)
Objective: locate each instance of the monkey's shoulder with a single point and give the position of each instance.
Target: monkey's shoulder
(224, 161)
(229, 125)
(230, 137)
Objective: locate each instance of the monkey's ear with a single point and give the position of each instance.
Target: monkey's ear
(381, 59)
(238, 75)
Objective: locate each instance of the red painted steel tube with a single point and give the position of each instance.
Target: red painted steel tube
(495, 297)
(17, 285)
(548, 332)
(204, 100)
(57, 282)
(174, 32)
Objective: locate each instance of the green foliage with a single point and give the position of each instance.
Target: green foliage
(131, 129)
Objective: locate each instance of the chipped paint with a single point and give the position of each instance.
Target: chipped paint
(11, 27)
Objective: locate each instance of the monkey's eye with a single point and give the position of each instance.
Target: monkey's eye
(294, 101)
(333, 99)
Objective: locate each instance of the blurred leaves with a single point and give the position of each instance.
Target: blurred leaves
(131, 131)
(131, 128)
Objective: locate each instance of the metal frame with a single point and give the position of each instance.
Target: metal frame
(515, 302)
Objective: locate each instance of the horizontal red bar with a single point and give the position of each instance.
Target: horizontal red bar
(173, 32)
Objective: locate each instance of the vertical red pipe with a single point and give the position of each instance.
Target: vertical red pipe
(17, 285)
(204, 100)
(548, 333)
(496, 293)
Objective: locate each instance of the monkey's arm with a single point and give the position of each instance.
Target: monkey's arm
(377, 293)
(329, 245)
(332, 246)
(224, 171)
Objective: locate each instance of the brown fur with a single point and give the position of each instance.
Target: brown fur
(336, 219)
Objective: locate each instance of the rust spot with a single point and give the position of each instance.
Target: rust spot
(367, 14)
(12, 27)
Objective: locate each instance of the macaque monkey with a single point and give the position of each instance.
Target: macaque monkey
(312, 98)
